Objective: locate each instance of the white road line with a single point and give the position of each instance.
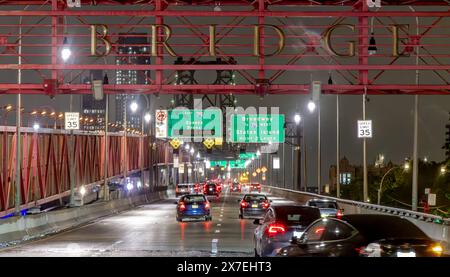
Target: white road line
(217, 231)
(214, 247)
(218, 225)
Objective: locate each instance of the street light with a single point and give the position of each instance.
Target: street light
(147, 117)
(65, 52)
(258, 153)
(133, 107)
(192, 151)
(36, 126)
(443, 170)
(297, 119)
(311, 106)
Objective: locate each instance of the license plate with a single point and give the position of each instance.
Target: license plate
(406, 254)
(194, 206)
(255, 206)
(298, 234)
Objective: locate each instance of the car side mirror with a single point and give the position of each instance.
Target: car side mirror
(256, 222)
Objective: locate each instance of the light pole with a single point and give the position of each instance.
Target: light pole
(297, 120)
(311, 108)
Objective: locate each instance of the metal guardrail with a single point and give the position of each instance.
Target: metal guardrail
(385, 209)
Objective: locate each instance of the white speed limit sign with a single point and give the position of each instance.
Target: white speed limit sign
(72, 121)
(364, 128)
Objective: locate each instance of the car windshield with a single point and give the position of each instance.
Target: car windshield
(297, 215)
(193, 199)
(323, 204)
(235, 184)
(254, 197)
(211, 184)
(183, 186)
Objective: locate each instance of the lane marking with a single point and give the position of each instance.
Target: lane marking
(214, 247)
(218, 225)
(217, 231)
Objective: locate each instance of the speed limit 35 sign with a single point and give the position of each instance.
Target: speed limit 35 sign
(364, 128)
(72, 121)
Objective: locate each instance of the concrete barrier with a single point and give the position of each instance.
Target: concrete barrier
(435, 227)
(17, 229)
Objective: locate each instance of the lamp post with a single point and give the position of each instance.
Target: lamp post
(311, 108)
(299, 131)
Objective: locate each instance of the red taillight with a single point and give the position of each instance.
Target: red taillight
(207, 206)
(276, 229)
(259, 186)
(181, 206)
(339, 214)
(266, 205)
(244, 204)
(319, 230)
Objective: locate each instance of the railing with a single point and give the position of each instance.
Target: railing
(47, 161)
(379, 208)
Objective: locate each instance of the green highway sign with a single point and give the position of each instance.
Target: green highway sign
(237, 164)
(218, 163)
(247, 156)
(253, 128)
(184, 123)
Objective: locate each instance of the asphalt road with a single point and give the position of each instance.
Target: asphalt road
(152, 230)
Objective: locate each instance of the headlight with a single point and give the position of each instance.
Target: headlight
(437, 249)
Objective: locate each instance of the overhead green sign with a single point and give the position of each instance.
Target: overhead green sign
(218, 163)
(252, 128)
(237, 164)
(184, 123)
(247, 156)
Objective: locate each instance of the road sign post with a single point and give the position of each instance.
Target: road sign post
(72, 122)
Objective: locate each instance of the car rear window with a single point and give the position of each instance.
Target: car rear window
(323, 204)
(193, 199)
(387, 227)
(259, 198)
(297, 215)
(182, 186)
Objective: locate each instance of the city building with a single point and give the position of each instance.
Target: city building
(134, 49)
(349, 172)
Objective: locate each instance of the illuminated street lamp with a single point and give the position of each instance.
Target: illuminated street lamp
(311, 106)
(406, 166)
(147, 117)
(443, 170)
(297, 118)
(258, 153)
(192, 151)
(36, 126)
(65, 52)
(133, 107)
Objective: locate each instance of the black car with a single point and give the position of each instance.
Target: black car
(367, 235)
(253, 206)
(211, 189)
(281, 224)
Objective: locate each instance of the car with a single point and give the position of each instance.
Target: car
(182, 189)
(193, 206)
(328, 208)
(212, 188)
(366, 235)
(235, 187)
(253, 205)
(280, 225)
(255, 187)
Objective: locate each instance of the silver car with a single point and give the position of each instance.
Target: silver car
(328, 208)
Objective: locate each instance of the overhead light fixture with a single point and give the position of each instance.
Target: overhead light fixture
(66, 52)
(147, 117)
(372, 46)
(297, 118)
(134, 107)
(311, 106)
(36, 126)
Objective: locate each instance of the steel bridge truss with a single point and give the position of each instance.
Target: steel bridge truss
(38, 31)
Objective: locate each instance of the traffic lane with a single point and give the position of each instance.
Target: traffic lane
(152, 230)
